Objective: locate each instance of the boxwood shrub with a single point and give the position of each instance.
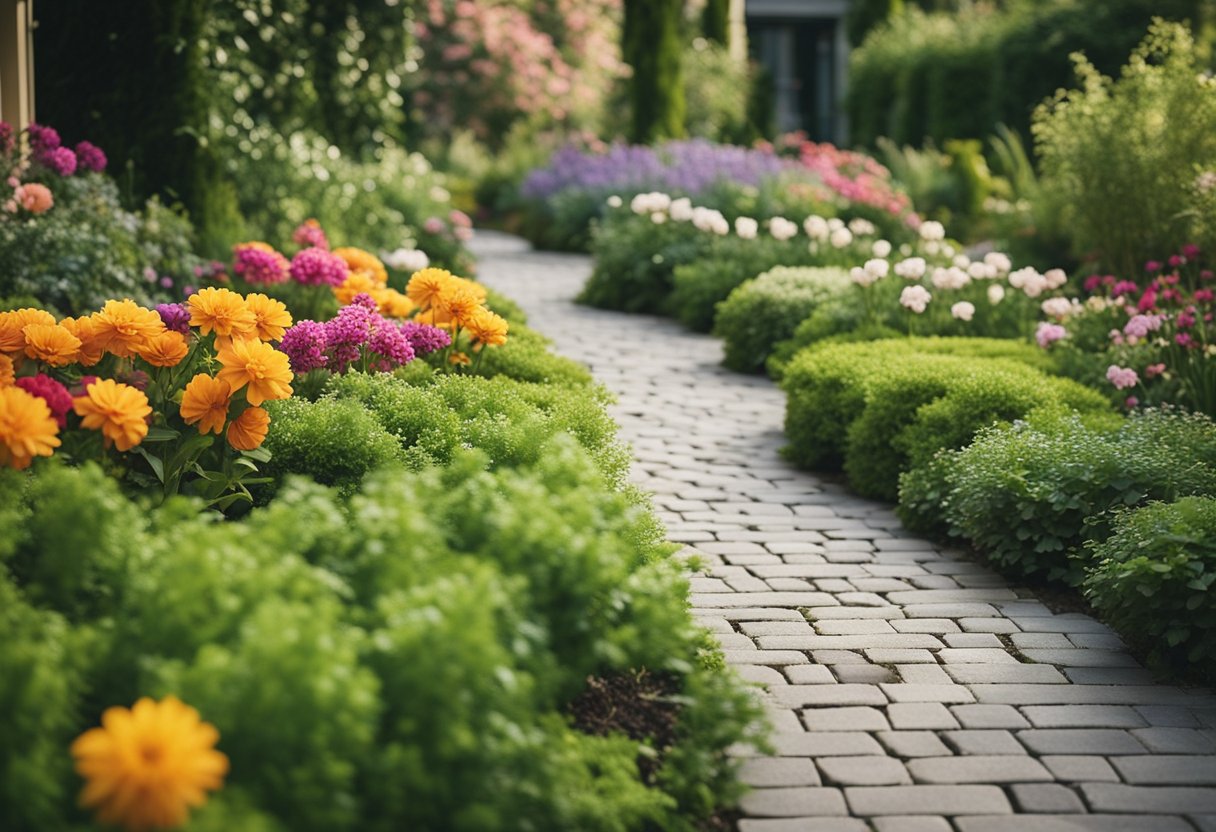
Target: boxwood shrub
(761, 312)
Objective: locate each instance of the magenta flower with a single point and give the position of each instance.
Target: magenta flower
(1190, 251)
(305, 344)
(1093, 282)
(59, 160)
(1184, 339)
(317, 267)
(425, 338)
(91, 157)
(1152, 267)
(56, 396)
(1124, 287)
(176, 316)
(1204, 296)
(43, 137)
(309, 234)
(1122, 377)
(258, 267)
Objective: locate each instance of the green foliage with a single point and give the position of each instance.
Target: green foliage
(624, 277)
(763, 311)
(864, 15)
(1152, 579)
(651, 46)
(1120, 156)
(526, 357)
(1029, 495)
(716, 88)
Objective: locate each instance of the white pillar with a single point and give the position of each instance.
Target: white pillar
(16, 62)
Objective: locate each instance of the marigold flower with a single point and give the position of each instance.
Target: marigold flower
(358, 283)
(460, 303)
(90, 351)
(35, 198)
(147, 766)
(119, 411)
(363, 262)
(394, 304)
(123, 325)
(271, 317)
(13, 324)
(7, 372)
(488, 328)
(27, 428)
(222, 311)
(459, 359)
(265, 370)
(164, 350)
(248, 431)
(205, 402)
(51, 343)
(426, 286)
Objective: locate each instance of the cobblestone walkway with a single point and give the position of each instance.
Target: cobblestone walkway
(911, 690)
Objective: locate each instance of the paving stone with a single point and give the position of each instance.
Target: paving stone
(775, 658)
(759, 675)
(826, 613)
(1175, 741)
(1021, 694)
(761, 599)
(869, 674)
(1083, 716)
(825, 744)
(989, 716)
(988, 625)
(804, 824)
(1041, 640)
(1168, 716)
(846, 719)
(1046, 798)
(1166, 769)
(799, 696)
(920, 715)
(1112, 797)
(984, 743)
(923, 674)
(913, 743)
(863, 771)
(927, 693)
(834, 657)
(886, 655)
(808, 674)
(904, 823)
(933, 626)
(793, 802)
(1080, 769)
(926, 800)
(873, 641)
(858, 626)
(984, 656)
(1080, 741)
(1081, 658)
(1073, 823)
(972, 641)
(978, 769)
(779, 771)
(774, 628)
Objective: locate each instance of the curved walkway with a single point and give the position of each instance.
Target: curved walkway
(911, 690)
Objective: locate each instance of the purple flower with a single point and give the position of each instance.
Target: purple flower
(43, 137)
(258, 267)
(60, 160)
(305, 344)
(8, 139)
(176, 316)
(91, 157)
(317, 267)
(425, 338)
(391, 344)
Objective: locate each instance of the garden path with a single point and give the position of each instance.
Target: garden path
(911, 689)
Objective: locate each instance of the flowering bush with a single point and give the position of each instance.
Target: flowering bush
(147, 390)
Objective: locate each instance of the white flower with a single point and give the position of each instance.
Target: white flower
(932, 231)
(862, 277)
(951, 278)
(915, 298)
(707, 219)
(681, 209)
(862, 228)
(881, 248)
(841, 237)
(947, 250)
(782, 229)
(905, 249)
(911, 269)
(407, 260)
(658, 218)
(835, 223)
(996, 293)
(981, 271)
(999, 261)
(932, 247)
(746, 228)
(962, 261)
(1057, 307)
(877, 268)
(963, 310)
(1055, 278)
(650, 203)
(1029, 281)
(614, 201)
(1206, 181)
(816, 227)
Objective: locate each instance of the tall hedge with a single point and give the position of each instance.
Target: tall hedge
(651, 45)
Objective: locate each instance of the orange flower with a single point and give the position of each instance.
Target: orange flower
(34, 198)
(473, 286)
(7, 373)
(27, 428)
(271, 317)
(356, 283)
(393, 304)
(248, 431)
(119, 411)
(459, 359)
(264, 369)
(427, 285)
(205, 402)
(488, 328)
(363, 262)
(164, 350)
(51, 343)
(148, 765)
(90, 350)
(123, 325)
(12, 338)
(255, 244)
(223, 311)
(460, 303)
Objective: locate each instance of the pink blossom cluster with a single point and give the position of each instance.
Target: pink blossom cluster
(259, 267)
(317, 267)
(857, 178)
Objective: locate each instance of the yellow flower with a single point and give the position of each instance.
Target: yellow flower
(264, 369)
(460, 304)
(248, 431)
(222, 311)
(271, 317)
(147, 766)
(393, 304)
(363, 262)
(255, 244)
(205, 402)
(427, 285)
(119, 411)
(27, 428)
(12, 324)
(488, 328)
(164, 350)
(51, 343)
(473, 286)
(123, 325)
(356, 283)
(7, 373)
(90, 349)
(459, 359)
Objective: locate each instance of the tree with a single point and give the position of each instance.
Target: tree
(652, 46)
(715, 21)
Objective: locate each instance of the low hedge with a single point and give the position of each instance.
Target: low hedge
(1152, 579)
(1029, 495)
(635, 260)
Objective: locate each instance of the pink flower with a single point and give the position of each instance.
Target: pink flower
(1148, 300)
(34, 198)
(309, 234)
(433, 225)
(1186, 319)
(317, 267)
(1047, 334)
(1184, 339)
(1154, 370)
(1131, 402)
(1204, 296)
(1176, 260)
(1141, 325)
(91, 157)
(1190, 251)
(1152, 267)
(1124, 287)
(1122, 377)
(1093, 282)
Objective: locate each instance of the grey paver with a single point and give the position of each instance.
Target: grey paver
(989, 716)
(845, 719)
(984, 742)
(920, 715)
(910, 744)
(1080, 741)
(863, 771)
(926, 800)
(793, 802)
(1113, 797)
(976, 769)
(779, 771)
(1045, 798)
(1074, 823)
(1165, 769)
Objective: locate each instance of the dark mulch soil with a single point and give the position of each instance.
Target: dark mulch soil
(639, 704)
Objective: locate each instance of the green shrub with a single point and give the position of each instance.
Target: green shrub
(635, 260)
(1028, 496)
(761, 312)
(1152, 579)
(527, 357)
(698, 287)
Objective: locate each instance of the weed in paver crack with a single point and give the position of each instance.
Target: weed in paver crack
(1012, 649)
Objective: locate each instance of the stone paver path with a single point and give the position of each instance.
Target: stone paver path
(911, 690)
